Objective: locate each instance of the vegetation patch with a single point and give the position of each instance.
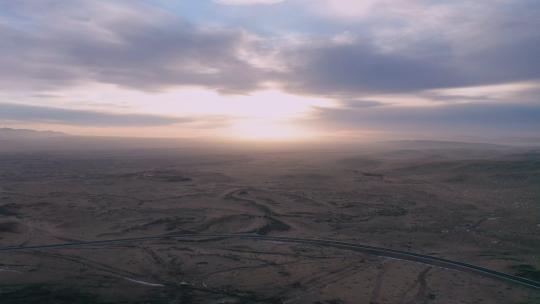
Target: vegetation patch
(527, 271)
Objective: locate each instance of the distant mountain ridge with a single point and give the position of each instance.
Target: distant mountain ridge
(9, 133)
(440, 144)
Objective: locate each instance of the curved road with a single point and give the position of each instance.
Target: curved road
(378, 251)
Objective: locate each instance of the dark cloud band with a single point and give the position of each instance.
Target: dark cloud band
(457, 119)
(39, 114)
(136, 45)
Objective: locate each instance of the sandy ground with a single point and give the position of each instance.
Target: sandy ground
(479, 207)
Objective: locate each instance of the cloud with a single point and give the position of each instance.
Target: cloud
(360, 104)
(129, 44)
(488, 119)
(49, 115)
(359, 69)
(353, 9)
(406, 47)
(410, 46)
(247, 2)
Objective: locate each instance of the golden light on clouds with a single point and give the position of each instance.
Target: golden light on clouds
(268, 114)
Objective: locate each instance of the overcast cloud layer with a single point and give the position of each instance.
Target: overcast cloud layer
(18, 113)
(345, 50)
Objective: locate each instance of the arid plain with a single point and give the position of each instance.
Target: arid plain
(472, 203)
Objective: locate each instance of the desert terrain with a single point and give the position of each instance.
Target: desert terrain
(472, 203)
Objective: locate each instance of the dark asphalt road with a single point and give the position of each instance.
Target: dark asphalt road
(378, 251)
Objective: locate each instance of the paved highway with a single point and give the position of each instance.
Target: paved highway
(378, 251)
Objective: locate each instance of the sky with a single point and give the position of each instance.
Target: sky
(286, 70)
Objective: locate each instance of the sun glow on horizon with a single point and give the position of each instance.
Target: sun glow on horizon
(268, 114)
(266, 130)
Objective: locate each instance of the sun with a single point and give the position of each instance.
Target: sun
(266, 130)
